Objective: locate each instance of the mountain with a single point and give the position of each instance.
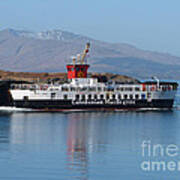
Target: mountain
(50, 51)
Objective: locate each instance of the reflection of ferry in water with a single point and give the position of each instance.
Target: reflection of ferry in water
(82, 92)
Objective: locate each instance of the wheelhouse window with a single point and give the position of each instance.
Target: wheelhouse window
(137, 96)
(125, 96)
(95, 96)
(26, 98)
(89, 97)
(128, 89)
(77, 97)
(77, 68)
(99, 89)
(53, 95)
(65, 89)
(149, 95)
(107, 96)
(92, 88)
(130, 96)
(73, 89)
(65, 96)
(137, 89)
(110, 89)
(121, 89)
(119, 96)
(113, 96)
(102, 96)
(83, 98)
(143, 96)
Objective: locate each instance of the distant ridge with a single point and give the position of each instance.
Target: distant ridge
(49, 51)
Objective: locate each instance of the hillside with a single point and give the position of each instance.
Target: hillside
(59, 77)
(49, 51)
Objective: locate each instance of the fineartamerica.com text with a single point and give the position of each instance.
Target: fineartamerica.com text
(152, 152)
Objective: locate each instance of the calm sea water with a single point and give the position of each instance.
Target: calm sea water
(85, 146)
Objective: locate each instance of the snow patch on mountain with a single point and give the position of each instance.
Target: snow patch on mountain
(46, 35)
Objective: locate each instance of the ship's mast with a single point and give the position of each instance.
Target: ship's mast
(85, 52)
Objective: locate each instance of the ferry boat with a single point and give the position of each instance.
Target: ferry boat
(87, 93)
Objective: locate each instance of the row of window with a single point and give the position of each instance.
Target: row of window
(66, 89)
(77, 69)
(107, 96)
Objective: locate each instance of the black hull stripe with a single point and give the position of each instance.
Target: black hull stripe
(67, 104)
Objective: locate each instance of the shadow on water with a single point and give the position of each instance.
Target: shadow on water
(5, 122)
(76, 143)
(86, 133)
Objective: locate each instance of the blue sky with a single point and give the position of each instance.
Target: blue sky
(152, 25)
